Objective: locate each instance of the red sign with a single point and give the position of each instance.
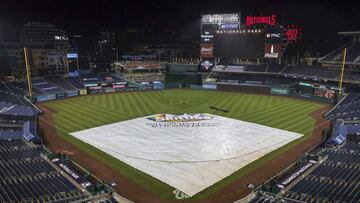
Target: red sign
(255, 20)
(108, 79)
(118, 86)
(207, 51)
(95, 88)
(272, 50)
(293, 33)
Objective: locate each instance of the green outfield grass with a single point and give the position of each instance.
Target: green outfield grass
(85, 112)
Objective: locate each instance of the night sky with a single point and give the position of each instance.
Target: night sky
(319, 19)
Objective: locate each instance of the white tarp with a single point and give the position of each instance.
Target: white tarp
(188, 153)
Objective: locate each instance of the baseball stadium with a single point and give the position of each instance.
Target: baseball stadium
(237, 124)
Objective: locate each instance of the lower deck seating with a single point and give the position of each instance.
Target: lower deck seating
(335, 180)
(61, 82)
(348, 109)
(25, 176)
(10, 134)
(10, 98)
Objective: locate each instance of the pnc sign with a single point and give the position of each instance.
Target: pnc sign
(256, 20)
(273, 35)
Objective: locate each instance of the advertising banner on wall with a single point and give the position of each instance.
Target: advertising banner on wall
(45, 97)
(41, 98)
(95, 87)
(83, 92)
(280, 91)
(158, 86)
(209, 86)
(207, 51)
(60, 96)
(72, 93)
(115, 86)
(109, 90)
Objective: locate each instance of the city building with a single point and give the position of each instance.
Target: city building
(48, 48)
(46, 33)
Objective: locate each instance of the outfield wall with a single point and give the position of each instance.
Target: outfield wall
(282, 91)
(244, 89)
(181, 68)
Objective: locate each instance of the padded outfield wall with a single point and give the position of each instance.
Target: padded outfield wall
(244, 89)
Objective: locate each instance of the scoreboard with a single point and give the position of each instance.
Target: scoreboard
(211, 23)
(259, 37)
(239, 45)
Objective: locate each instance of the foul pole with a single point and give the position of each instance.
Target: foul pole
(28, 74)
(342, 73)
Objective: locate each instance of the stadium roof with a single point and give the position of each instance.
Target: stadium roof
(352, 51)
(350, 33)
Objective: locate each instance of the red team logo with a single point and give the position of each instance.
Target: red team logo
(293, 33)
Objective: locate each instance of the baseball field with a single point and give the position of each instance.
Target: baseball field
(85, 112)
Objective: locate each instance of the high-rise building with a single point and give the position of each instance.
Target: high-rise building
(48, 48)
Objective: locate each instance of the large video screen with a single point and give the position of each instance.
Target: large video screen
(239, 45)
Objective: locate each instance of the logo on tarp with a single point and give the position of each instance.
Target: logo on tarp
(180, 195)
(180, 117)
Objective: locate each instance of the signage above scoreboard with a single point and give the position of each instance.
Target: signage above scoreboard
(207, 37)
(240, 31)
(229, 26)
(263, 20)
(220, 18)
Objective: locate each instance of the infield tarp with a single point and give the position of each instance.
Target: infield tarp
(191, 155)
